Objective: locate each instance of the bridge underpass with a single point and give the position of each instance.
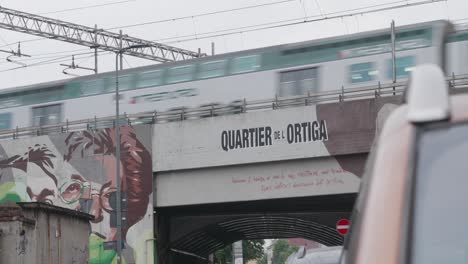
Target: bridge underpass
(189, 234)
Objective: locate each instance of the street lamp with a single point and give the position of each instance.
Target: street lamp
(117, 148)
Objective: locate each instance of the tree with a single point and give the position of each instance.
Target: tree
(281, 251)
(251, 249)
(263, 260)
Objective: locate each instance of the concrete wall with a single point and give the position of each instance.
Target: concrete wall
(39, 233)
(16, 239)
(238, 139)
(269, 180)
(286, 134)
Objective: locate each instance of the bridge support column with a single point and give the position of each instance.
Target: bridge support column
(162, 237)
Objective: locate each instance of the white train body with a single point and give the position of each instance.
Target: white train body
(328, 64)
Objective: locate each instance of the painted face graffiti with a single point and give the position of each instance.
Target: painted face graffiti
(136, 177)
(78, 171)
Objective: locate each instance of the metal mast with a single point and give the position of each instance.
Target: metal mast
(90, 37)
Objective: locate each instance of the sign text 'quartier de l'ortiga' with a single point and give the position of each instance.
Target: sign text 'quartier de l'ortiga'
(266, 136)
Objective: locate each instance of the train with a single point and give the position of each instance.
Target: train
(349, 61)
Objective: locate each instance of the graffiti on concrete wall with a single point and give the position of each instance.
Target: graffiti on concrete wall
(78, 171)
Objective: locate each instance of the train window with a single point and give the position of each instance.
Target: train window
(404, 65)
(298, 82)
(5, 121)
(287, 84)
(180, 74)
(46, 115)
(9, 100)
(42, 95)
(245, 64)
(362, 72)
(150, 78)
(91, 87)
(212, 69)
(125, 82)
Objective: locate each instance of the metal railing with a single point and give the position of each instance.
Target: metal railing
(237, 107)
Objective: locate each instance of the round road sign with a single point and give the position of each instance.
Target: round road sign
(342, 226)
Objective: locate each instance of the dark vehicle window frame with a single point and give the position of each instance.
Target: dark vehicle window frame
(407, 245)
(349, 250)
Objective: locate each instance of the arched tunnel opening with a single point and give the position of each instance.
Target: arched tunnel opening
(190, 234)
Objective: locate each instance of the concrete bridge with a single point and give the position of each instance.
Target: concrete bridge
(198, 185)
(290, 172)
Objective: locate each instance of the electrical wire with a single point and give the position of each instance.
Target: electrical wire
(288, 22)
(46, 62)
(249, 7)
(283, 23)
(58, 52)
(246, 27)
(319, 8)
(202, 14)
(29, 59)
(128, 63)
(6, 43)
(85, 7)
(85, 59)
(301, 3)
(172, 19)
(37, 64)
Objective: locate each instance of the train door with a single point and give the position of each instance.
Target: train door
(46, 115)
(298, 82)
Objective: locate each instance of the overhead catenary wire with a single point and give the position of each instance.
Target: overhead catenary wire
(244, 29)
(92, 37)
(254, 6)
(68, 10)
(46, 62)
(301, 3)
(58, 52)
(85, 7)
(319, 7)
(6, 43)
(39, 63)
(126, 61)
(290, 22)
(285, 23)
(202, 14)
(177, 18)
(54, 56)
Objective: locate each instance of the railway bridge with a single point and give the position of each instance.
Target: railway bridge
(290, 172)
(191, 187)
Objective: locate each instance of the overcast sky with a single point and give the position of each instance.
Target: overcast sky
(123, 13)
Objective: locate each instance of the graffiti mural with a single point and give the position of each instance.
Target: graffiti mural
(78, 171)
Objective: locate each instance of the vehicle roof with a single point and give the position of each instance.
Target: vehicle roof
(392, 163)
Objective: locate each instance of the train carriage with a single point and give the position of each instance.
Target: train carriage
(284, 70)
